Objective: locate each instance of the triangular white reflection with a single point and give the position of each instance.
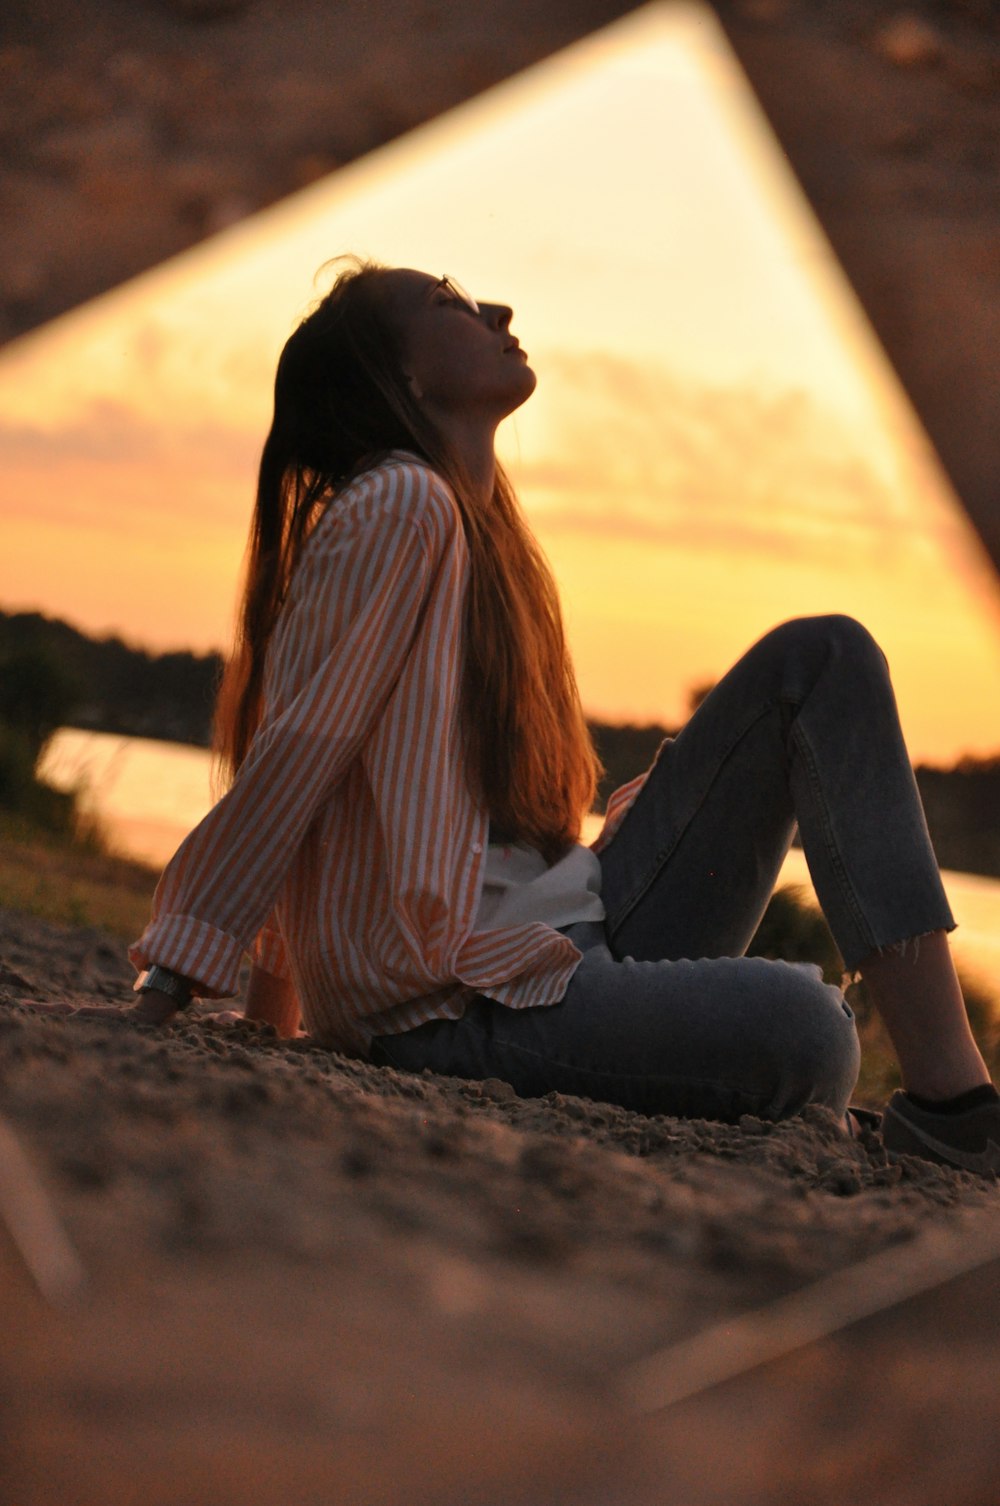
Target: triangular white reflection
(717, 442)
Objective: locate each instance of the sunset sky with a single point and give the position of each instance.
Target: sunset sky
(716, 443)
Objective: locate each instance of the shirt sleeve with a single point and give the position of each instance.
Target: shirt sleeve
(386, 552)
(620, 802)
(618, 806)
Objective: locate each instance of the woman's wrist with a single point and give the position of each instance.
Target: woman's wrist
(164, 980)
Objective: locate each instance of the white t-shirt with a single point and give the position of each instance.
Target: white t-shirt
(519, 886)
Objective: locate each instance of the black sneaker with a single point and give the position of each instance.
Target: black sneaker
(969, 1141)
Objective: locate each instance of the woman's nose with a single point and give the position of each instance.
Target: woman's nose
(497, 315)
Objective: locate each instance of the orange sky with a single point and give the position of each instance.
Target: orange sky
(716, 443)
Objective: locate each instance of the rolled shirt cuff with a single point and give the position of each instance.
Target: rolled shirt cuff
(209, 958)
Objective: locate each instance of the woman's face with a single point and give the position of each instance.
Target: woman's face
(462, 362)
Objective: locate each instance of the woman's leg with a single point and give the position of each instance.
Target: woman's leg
(917, 993)
(664, 1013)
(803, 728)
(709, 1039)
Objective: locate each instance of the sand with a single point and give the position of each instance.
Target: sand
(309, 1279)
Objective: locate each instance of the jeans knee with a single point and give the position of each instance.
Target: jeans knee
(832, 633)
(811, 647)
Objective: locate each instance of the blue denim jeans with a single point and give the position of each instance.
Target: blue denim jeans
(664, 1013)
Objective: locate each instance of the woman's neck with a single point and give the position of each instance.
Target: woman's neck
(482, 473)
(473, 446)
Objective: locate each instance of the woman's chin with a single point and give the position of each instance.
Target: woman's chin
(527, 384)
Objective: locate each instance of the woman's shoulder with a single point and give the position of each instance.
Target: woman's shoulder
(404, 485)
(403, 475)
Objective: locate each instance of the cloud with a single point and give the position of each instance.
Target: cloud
(629, 451)
(632, 451)
(104, 431)
(108, 431)
(111, 467)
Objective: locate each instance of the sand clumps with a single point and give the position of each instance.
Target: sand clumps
(399, 1283)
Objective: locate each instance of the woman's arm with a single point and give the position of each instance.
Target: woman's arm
(269, 1000)
(273, 1001)
(152, 1007)
(369, 583)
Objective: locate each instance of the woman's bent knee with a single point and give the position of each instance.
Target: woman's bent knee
(823, 1055)
(834, 651)
(831, 634)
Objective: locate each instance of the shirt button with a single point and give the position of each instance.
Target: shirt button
(477, 846)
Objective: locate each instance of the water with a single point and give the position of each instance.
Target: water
(149, 794)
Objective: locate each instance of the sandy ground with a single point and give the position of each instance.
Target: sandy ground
(313, 1280)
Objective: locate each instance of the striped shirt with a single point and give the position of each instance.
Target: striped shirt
(348, 854)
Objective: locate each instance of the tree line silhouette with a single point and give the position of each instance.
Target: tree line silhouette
(53, 675)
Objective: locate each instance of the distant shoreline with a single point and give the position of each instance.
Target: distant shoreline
(130, 692)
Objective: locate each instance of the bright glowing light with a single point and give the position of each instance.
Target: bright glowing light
(716, 444)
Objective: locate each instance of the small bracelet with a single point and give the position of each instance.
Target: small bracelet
(165, 982)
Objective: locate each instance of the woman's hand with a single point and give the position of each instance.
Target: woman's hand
(270, 1001)
(151, 1008)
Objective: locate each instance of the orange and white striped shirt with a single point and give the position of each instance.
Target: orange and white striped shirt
(348, 853)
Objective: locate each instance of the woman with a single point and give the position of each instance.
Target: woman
(399, 845)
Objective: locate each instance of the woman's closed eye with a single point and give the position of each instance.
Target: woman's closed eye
(454, 302)
(451, 292)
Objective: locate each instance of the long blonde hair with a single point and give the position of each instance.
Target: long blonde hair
(341, 403)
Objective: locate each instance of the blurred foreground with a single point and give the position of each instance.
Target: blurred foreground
(134, 131)
(313, 1280)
